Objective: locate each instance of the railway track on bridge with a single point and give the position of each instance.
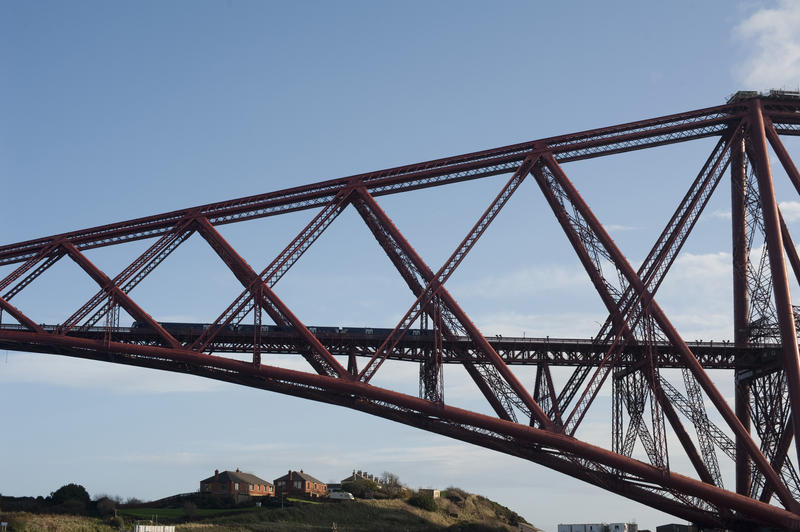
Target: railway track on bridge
(364, 342)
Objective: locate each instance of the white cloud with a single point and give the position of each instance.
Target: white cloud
(88, 374)
(790, 209)
(556, 325)
(701, 267)
(526, 281)
(721, 214)
(772, 40)
(616, 228)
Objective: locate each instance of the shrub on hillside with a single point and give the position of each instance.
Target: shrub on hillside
(361, 487)
(70, 499)
(70, 492)
(475, 527)
(105, 506)
(424, 501)
(454, 494)
(510, 516)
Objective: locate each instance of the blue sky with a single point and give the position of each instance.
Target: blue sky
(113, 111)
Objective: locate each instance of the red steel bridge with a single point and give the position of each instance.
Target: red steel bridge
(753, 440)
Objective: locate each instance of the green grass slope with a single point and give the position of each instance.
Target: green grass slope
(455, 511)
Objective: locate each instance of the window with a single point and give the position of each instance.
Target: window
(298, 484)
(251, 487)
(236, 486)
(270, 488)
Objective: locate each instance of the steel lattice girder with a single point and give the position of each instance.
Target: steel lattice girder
(637, 340)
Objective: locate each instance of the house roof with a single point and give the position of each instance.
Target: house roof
(236, 476)
(301, 475)
(362, 476)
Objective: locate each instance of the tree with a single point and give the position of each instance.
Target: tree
(388, 477)
(70, 492)
(391, 485)
(363, 488)
(106, 506)
(70, 499)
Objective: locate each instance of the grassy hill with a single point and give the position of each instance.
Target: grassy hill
(455, 511)
(462, 512)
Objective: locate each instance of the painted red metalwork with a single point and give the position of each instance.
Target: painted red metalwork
(544, 424)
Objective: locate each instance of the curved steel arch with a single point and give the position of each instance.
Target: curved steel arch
(538, 425)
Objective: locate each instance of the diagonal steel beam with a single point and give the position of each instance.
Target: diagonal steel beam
(320, 358)
(20, 316)
(670, 241)
(625, 319)
(132, 275)
(416, 272)
(627, 271)
(432, 288)
(243, 304)
(46, 250)
(121, 297)
(780, 280)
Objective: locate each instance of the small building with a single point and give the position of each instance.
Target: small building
(434, 494)
(599, 527)
(237, 484)
(300, 484)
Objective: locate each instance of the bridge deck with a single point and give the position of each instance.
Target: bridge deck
(417, 345)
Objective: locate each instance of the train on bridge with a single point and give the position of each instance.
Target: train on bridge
(188, 329)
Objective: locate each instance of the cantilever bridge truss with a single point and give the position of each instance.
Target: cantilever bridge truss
(755, 436)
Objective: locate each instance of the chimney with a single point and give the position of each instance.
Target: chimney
(290, 475)
(237, 470)
(301, 470)
(216, 475)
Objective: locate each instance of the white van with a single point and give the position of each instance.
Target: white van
(341, 496)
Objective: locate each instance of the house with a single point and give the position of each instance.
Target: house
(237, 484)
(363, 475)
(300, 484)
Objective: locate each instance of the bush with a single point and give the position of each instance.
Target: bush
(189, 509)
(70, 492)
(424, 501)
(361, 487)
(105, 506)
(502, 512)
(456, 495)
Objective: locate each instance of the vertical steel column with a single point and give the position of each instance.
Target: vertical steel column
(741, 304)
(780, 279)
